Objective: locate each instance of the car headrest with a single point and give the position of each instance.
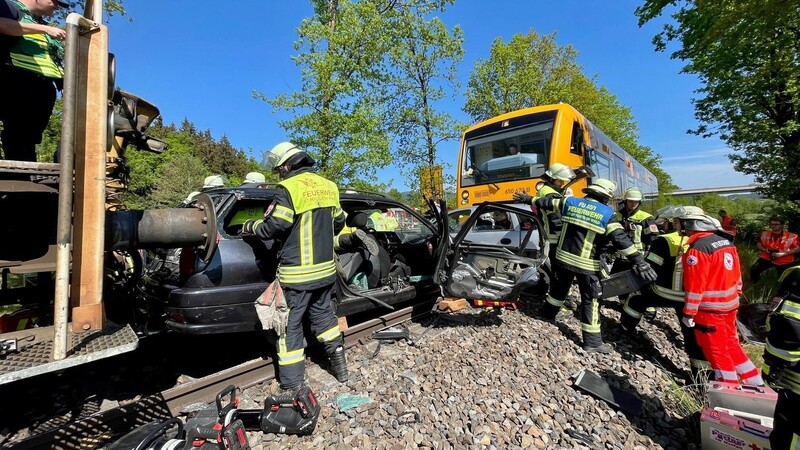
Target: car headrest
(357, 220)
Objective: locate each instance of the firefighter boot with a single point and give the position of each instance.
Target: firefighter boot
(339, 364)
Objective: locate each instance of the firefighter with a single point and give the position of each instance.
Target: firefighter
(554, 180)
(640, 225)
(588, 225)
(778, 249)
(305, 215)
(664, 256)
(712, 283)
(782, 360)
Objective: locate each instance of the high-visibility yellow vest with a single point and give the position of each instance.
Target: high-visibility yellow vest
(38, 53)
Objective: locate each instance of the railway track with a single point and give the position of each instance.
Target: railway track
(102, 427)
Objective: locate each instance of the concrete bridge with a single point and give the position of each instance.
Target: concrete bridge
(749, 190)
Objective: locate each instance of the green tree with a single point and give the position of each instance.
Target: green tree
(746, 54)
(339, 113)
(534, 70)
(423, 61)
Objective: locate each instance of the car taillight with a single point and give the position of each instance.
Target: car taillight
(186, 263)
(177, 317)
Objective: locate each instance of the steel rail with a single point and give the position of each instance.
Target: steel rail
(97, 429)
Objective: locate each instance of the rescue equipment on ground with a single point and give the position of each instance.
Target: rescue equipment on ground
(286, 414)
(218, 427)
(591, 383)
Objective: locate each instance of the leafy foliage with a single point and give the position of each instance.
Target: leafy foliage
(746, 55)
(164, 180)
(533, 70)
(339, 112)
(372, 74)
(423, 59)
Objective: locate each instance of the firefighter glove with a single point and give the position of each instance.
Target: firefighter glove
(249, 226)
(272, 309)
(523, 197)
(688, 321)
(645, 271)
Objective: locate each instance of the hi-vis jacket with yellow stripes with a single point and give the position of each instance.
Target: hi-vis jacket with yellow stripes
(588, 227)
(783, 333)
(640, 226)
(664, 258)
(552, 219)
(39, 52)
(305, 216)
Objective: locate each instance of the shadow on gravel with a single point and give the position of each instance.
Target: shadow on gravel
(640, 344)
(653, 421)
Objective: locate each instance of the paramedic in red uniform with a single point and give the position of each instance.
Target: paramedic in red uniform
(778, 249)
(712, 282)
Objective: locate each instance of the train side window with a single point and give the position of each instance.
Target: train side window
(576, 144)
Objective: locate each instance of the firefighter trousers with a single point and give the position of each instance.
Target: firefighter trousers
(786, 431)
(590, 288)
(717, 336)
(635, 307)
(316, 304)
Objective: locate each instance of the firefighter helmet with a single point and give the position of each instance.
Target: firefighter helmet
(254, 177)
(602, 187)
(560, 171)
(695, 219)
(213, 181)
(633, 194)
(287, 153)
(668, 212)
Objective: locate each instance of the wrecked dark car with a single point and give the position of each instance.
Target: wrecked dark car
(415, 259)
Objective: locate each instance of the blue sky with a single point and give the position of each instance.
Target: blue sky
(203, 60)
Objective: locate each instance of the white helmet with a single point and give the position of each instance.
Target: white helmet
(255, 177)
(694, 219)
(280, 154)
(633, 194)
(213, 181)
(560, 171)
(667, 212)
(601, 186)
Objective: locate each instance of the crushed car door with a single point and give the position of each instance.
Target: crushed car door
(481, 271)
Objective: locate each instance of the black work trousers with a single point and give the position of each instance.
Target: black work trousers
(762, 265)
(26, 103)
(635, 307)
(316, 304)
(786, 431)
(590, 288)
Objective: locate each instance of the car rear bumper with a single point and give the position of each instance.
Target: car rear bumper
(215, 319)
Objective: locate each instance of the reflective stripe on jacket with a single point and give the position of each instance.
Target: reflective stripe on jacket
(664, 257)
(39, 52)
(640, 226)
(552, 219)
(784, 243)
(783, 343)
(712, 279)
(308, 211)
(588, 228)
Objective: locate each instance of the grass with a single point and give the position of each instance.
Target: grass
(764, 290)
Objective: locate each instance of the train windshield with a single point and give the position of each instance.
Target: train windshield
(519, 153)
